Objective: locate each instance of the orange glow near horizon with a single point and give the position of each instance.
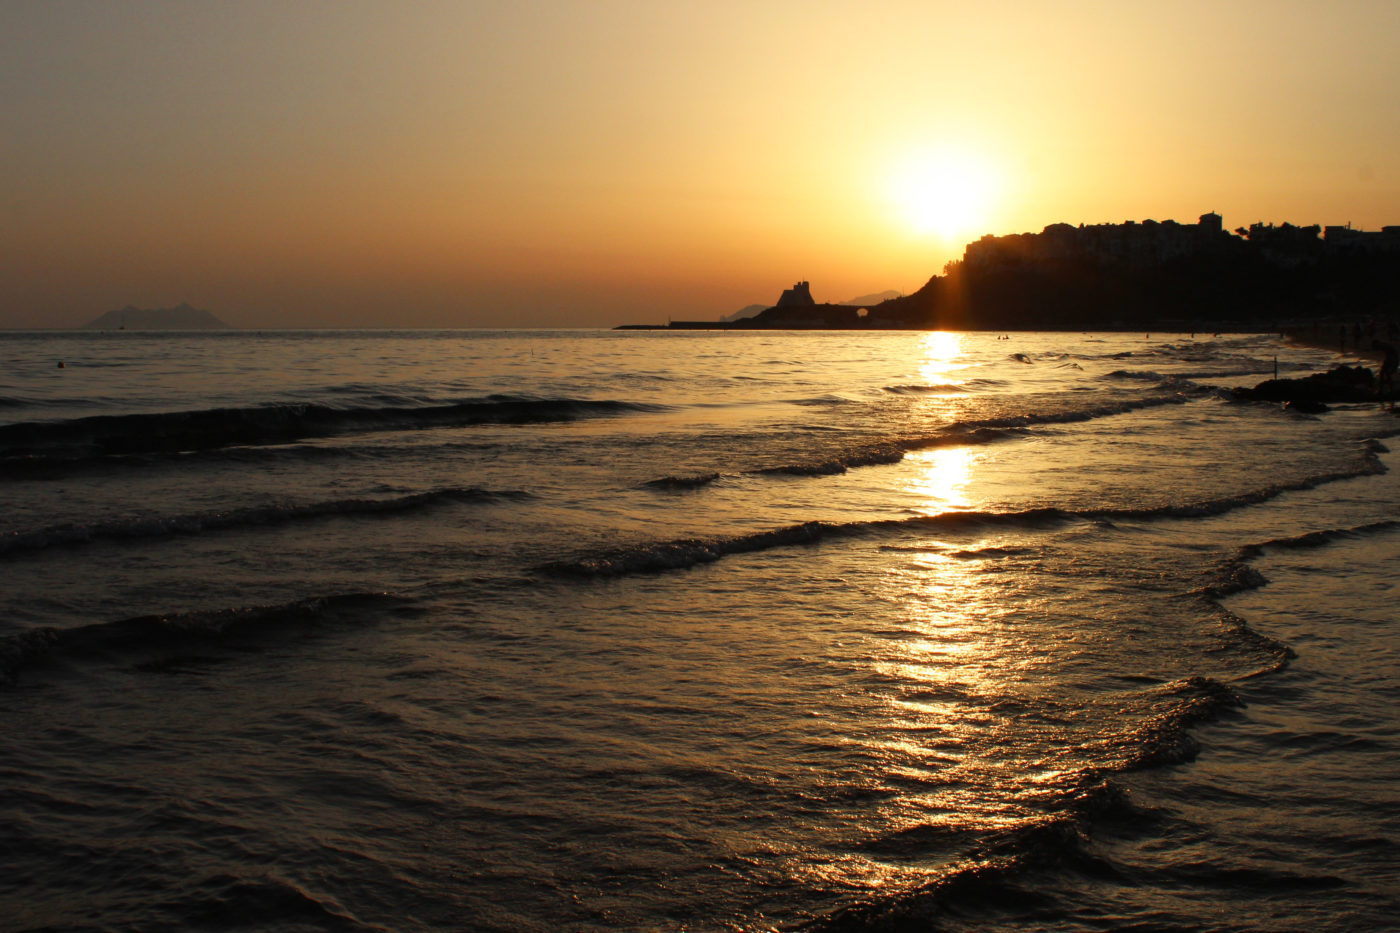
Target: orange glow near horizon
(558, 164)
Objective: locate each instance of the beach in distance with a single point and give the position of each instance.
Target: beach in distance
(583, 630)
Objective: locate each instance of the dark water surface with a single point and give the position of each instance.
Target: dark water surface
(592, 630)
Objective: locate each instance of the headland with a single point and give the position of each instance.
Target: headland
(1148, 275)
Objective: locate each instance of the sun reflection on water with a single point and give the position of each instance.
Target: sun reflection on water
(955, 678)
(957, 673)
(941, 478)
(943, 354)
(962, 739)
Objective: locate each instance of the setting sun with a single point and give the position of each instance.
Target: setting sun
(948, 194)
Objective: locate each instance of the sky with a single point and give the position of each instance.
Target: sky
(585, 164)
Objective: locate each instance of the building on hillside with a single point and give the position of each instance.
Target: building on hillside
(799, 296)
(1132, 244)
(1343, 239)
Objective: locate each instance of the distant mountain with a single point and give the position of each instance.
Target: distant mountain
(742, 313)
(180, 317)
(864, 301)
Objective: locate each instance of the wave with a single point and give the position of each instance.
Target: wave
(821, 401)
(1320, 538)
(653, 557)
(673, 483)
(676, 555)
(925, 389)
(1146, 375)
(872, 455)
(265, 901)
(105, 435)
(30, 468)
(876, 454)
(1182, 394)
(162, 526)
(988, 879)
(961, 433)
(181, 631)
(1236, 575)
(690, 552)
(1004, 876)
(1275, 654)
(1164, 738)
(884, 452)
(1191, 379)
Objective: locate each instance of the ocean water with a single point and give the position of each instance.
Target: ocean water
(410, 631)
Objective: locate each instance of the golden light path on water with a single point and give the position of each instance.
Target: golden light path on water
(968, 659)
(955, 659)
(943, 356)
(942, 478)
(943, 472)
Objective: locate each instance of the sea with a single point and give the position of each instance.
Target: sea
(696, 631)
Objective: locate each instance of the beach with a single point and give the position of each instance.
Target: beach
(584, 630)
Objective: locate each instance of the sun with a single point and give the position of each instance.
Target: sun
(948, 194)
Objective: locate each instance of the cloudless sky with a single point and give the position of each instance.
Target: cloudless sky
(530, 163)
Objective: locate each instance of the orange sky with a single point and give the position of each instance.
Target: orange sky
(468, 164)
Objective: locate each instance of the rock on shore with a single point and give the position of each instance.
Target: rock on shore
(1316, 392)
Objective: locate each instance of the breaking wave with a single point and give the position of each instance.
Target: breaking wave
(831, 464)
(999, 876)
(960, 433)
(1185, 394)
(884, 452)
(653, 557)
(1003, 879)
(105, 435)
(925, 389)
(1320, 538)
(674, 483)
(1236, 575)
(181, 631)
(690, 552)
(979, 431)
(872, 455)
(197, 523)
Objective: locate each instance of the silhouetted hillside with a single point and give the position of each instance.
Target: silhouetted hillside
(1237, 285)
(1147, 276)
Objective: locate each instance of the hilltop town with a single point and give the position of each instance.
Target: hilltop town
(1149, 244)
(1133, 275)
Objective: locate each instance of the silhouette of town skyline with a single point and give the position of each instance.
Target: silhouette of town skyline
(1130, 275)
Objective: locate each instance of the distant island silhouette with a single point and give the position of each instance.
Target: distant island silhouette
(180, 317)
(1130, 276)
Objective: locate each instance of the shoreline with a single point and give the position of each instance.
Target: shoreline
(1341, 346)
